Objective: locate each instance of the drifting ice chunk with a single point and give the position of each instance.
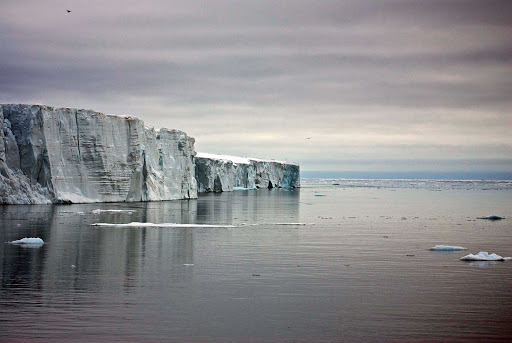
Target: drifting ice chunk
(98, 211)
(491, 218)
(28, 241)
(244, 189)
(447, 248)
(484, 256)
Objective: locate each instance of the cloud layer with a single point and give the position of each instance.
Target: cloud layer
(364, 80)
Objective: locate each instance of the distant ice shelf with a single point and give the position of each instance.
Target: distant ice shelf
(66, 155)
(224, 173)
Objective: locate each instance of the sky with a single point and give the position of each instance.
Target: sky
(367, 85)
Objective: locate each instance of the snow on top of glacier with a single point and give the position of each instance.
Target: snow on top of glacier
(237, 159)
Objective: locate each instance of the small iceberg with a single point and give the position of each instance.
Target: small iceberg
(484, 256)
(491, 218)
(28, 241)
(245, 189)
(446, 248)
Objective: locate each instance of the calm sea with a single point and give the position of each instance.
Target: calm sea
(359, 270)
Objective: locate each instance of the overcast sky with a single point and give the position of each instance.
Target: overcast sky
(373, 84)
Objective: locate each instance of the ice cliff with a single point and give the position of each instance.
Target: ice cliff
(62, 155)
(221, 173)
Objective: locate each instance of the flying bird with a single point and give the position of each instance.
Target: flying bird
(68, 11)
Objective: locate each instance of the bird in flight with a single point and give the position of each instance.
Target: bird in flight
(308, 138)
(68, 11)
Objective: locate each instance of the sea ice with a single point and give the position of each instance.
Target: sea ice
(447, 248)
(176, 225)
(98, 211)
(244, 189)
(301, 224)
(162, 225)
(484, 256)
(28, 241)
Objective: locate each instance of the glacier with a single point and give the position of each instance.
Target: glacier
(224, 173)
(66, 155)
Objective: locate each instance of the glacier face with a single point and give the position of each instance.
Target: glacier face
(221, 173)
(62, 155)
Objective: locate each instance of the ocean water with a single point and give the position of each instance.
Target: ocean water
(358, 269)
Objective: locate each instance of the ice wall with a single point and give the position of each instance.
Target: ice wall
(221, 173)
(62, 155)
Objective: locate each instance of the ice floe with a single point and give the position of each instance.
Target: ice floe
(32, 241)
(442, 247)
(300, 224)
(98, 211)
(485, 256)
(176, 225)
(163, 225)
(245, 189)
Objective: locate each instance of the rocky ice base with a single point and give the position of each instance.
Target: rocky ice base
(65, 155)
(222, 173)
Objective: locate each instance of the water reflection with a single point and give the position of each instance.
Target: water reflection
(83, 258)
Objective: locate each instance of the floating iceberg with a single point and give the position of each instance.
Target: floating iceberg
(28, 241)
(491, 218)
(447, 248)
(98, 211)
(244, 189)
(485, 256)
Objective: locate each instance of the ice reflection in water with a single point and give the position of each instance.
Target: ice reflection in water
(361, 273)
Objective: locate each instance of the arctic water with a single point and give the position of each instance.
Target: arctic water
(357, 269)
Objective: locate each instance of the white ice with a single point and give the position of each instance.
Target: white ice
(447, 248)
(29, 241)
(176, 225)
(301, 224)
(238, 159)
(485, 256)
(98, 211)
(234, 159)
(291, 224)
(162, 225)
(244, 189)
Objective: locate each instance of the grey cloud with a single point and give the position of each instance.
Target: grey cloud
(370, 68)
